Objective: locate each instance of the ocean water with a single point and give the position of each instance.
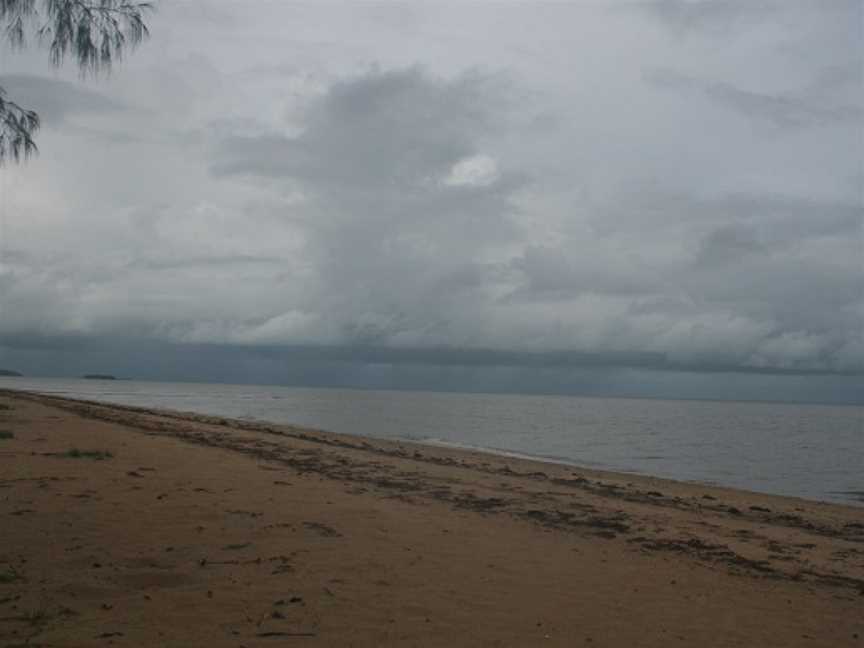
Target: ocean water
(810, 451)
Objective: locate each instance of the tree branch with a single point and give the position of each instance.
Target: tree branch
(95, 32)
(17, 128)
(16, 13)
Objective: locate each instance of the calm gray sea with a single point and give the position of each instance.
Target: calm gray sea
(811, 451)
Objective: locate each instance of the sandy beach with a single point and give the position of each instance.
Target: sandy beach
(130, 527)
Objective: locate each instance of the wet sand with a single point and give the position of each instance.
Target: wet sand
(130, 527)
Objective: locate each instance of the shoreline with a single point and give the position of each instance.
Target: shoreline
(165, 528)
(853, 501)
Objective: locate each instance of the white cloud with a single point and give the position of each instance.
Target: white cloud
(474, 171)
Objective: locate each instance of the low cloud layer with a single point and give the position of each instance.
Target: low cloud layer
(628, 192)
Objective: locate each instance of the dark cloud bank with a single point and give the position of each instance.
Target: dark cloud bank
(568, 373)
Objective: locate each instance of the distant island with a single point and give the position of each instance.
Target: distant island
(9, 372)
(99, 377)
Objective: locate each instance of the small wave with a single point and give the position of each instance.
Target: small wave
(501, 452)
(853, 495)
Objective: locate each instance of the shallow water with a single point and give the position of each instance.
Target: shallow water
(811, 451)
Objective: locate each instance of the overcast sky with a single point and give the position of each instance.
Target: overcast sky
(677, 178)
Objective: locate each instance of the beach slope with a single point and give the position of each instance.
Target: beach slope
(129, 527)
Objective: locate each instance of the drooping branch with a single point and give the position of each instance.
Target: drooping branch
(15, 14)
(17, 128)
(96, 33)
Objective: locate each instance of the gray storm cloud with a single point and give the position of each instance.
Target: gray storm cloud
(800, 109)
(662, 200)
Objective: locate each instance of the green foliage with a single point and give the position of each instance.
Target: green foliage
(4, 434)
(97, 455)
(10, 575)
(93, 32)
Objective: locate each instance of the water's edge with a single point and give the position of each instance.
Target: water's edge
(249, 423)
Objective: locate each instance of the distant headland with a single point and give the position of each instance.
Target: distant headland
(99, 377)
(9, 372)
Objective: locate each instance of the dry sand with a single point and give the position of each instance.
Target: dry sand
(199, 531)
